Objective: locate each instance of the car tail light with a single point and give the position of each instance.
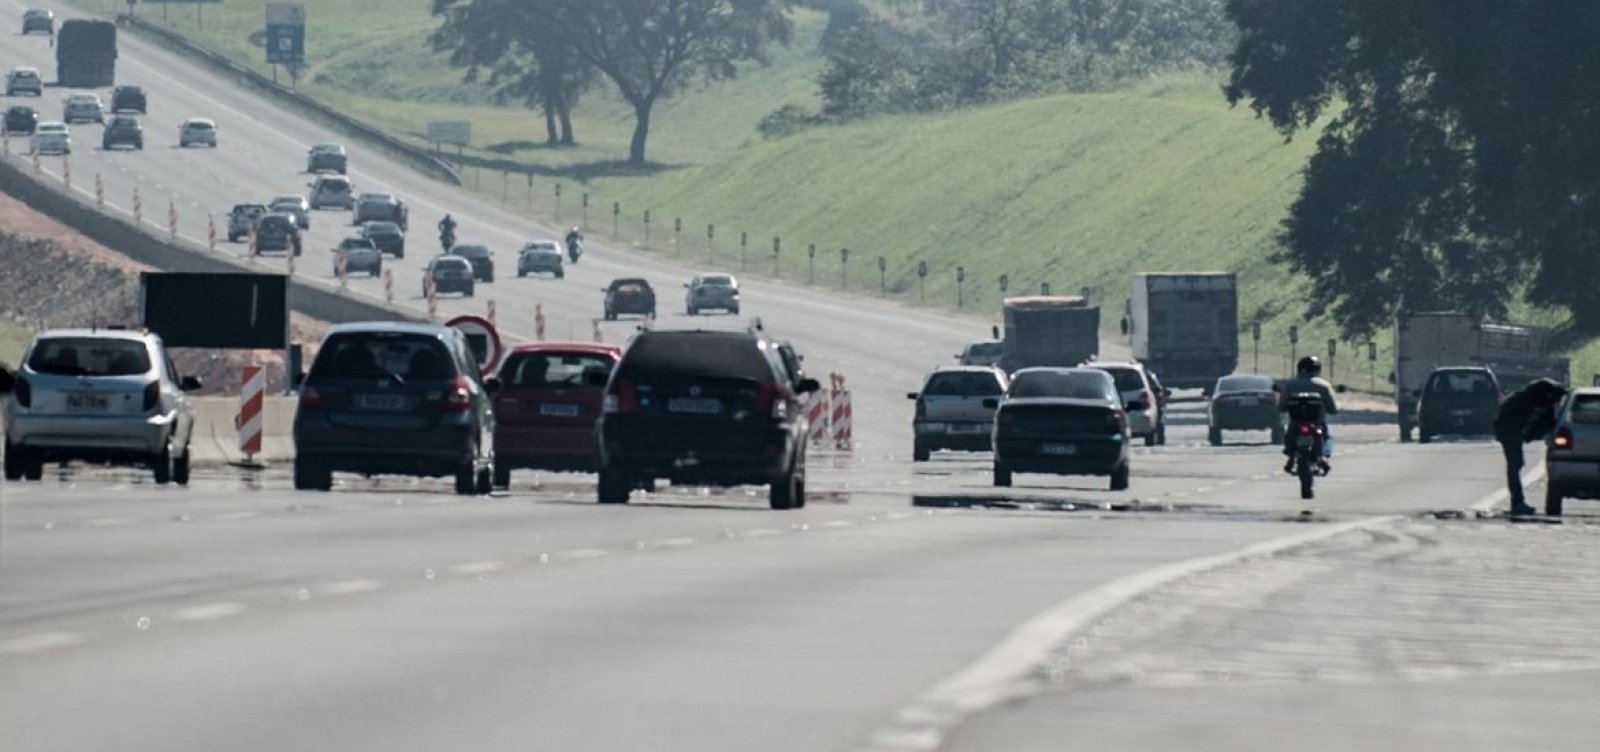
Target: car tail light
(1562, 439)
(22, 392)
(152, 395)
(622, 399)
(460, 399)
(1115, 422)
(772, 402)
(1147, 399)
(310, 398)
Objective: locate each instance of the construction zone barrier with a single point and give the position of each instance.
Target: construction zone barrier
(388, 285)
(818, 407)
(843, 439)
(491, 311)
(830, 413)
(538, 321)
(431, 291)
(251, 399)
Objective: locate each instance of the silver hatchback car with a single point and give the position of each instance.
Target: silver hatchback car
(99, 395)
(1572, 457)
(712, 291)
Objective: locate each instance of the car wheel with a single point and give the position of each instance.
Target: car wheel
(1002, 476)
(734, 310)
(783, 492)
(32, 467)
(1214, 436)
(468, 292)
(502, 476)
(1423, 438)
(311, 475)
(466, 480)
(180, 468)
(521, 274)
(161, 466)
(613, 487)
(1161, 434)
(485, 481)
(14, 462)
(1552, 500)
(920, 452)
(692, 311)
(1119, 478)
(561, 275)
(1150, 439)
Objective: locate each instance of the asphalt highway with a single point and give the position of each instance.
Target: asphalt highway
(895, 612)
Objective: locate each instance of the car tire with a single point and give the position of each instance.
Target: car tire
(613, 487)
(1553, 497)
(1119, 478)
(1002, 476)
(920, 452)
(485, 481)
(1150, 439)
(783, 492)
(561, 275)
(734, 310)
(180, 468)
(502, 476)
(1214, 435)
(32, 467)
(14, 462)
(161, 466)
(466, 480)
(692, 311)
(311, 475)
(1161, 434)
(1423, 438)
(468, 292)
(521, 274)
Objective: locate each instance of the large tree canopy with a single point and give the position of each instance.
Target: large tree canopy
(525, 61)
(1458, 163)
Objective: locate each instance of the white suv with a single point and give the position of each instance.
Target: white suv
(98, 395)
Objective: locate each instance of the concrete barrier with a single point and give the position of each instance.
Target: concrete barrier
(216, 434)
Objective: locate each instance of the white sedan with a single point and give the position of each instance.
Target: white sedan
(52, 138)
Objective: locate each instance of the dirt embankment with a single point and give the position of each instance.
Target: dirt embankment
(52, 276)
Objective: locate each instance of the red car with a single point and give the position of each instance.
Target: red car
(545, 412)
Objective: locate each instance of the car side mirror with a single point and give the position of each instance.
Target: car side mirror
(912, 395)
(492, 385)
(7, 381)
(1135, 406)
(189, 384)
(991, 403)
(686, 285)
(807, 386)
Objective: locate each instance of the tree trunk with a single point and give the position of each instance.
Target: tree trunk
(641, 130)
(551, 136)
(566, 125)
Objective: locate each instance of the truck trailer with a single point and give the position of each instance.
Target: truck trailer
(86, 54)
(1050, 330)
(1185, 327)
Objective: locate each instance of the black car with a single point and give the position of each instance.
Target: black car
(387, 236)
(704, 407)
(1061, 421)
(389, 398)
(481, 258)
(1247, 402)
(277, 232)
(1458, 401)
(128, 98)
(21, 119)
(122, 131)
(449, 274)
(629, 296)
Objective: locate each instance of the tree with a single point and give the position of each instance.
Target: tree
(525, 61)
(1458, 166)
(649, 48)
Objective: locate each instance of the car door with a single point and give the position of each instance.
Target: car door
(183, 428)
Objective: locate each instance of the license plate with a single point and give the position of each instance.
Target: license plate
(1462, 413)
(1303, 442)
(381, 402)
(87, 402)
(694, 405)
(968, 428)
(556, 410)
(1249, 402)
(1059, 449)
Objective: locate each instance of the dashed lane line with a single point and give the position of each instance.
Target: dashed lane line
(208, 612)
(350, 587)
(477, 567)
(39, 643)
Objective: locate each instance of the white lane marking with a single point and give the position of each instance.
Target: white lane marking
(761, 532)
(1530, 476)
(837, 523)
(672, 542)
(110, 521)
(39, 642)
(477, 567)
(231, 516)
(584, 553)
(350, 587)
(208, 612)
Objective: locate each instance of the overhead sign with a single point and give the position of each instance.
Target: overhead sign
(482, 338)
(452, 132)
(226, 311)
(286, 33)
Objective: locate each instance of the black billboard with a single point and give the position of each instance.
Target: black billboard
(223, 311)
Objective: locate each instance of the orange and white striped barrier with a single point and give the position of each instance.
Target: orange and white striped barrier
(341, 269)
(538, 321)
(388, 285)
(289, 256)
(66, 170)
(842, 437)
(490, 315)
(99, 191)
(172, 219)
(37, 168)
(597, 336)
(138, 208)
(431, 292)
(250, 242)
(211, 231)
(818, 409)
(251, 401)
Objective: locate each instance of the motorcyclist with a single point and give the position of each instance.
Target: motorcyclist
(447, 231)
(1529, 414)
(1308, 378)
(574, 237)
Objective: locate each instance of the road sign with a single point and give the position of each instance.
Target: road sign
(286, 33)
(242, 311)
(452, 132)
(483, 338)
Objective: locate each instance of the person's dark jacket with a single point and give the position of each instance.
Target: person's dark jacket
(1529, 414)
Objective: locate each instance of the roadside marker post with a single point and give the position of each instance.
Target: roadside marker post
(172, 220)
(538, 321)
(66, 170)
(388, 285)
(138, 208)
(343, 269)
(211, 231)
(251, 402)
(431, 292)
(290, 257)
(491, 312)
(99, 191)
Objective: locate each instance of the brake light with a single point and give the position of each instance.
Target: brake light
(1562, 439)
(23, 393)
(152, 395)
(1115, 422)
(460, 399)
(1305, 429)
(772, 402)
(310, 399)
(622, 399)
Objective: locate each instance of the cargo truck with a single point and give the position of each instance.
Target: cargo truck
(1185, 327)
(1427, 341)
(1049, 330)
(86, 53)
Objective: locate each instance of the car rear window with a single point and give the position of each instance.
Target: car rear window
(1461, 382)
(717, 280)
(199, 126)
(450, 263)
(962, 384)
(402, 355)
(1075, 384)
(1585, 409)
(470, 251)
(89, 356)
(1231, 384)
(1127, 379)
(690, 354)
(986, 350)
(554, 369)
(383, 228)
(618, 284)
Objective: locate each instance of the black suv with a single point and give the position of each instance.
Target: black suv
(389, 398)
(1461, 401)
(128, 98)
(481, 258)
(21, 119)
(629, 296)
(713, 408)
(122, 130)
(278, 232)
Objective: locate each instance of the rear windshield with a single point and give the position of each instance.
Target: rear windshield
(199, 126)
(470, 251)
(1231, 384)
(554, 369)
(402, 355)
(348, 243)
(542, 246)
(724, 354)
(450, 263)
(1075, 384)
(962, 384)
(335, 185)
(89, 356)
(383, 228)
(717, 280)
(1461, 382)
(1586, 408)
(618, 284)
(1127, 379)
(986, 350)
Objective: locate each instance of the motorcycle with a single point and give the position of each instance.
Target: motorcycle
(574, 250)
(447, 240)
(1307, 440)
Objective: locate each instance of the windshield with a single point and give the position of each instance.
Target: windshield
(963, 384)
(88, 356)
(1231, 384)
(558, 370)
(1068, 384)
(382, 228)
(1461, 382)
